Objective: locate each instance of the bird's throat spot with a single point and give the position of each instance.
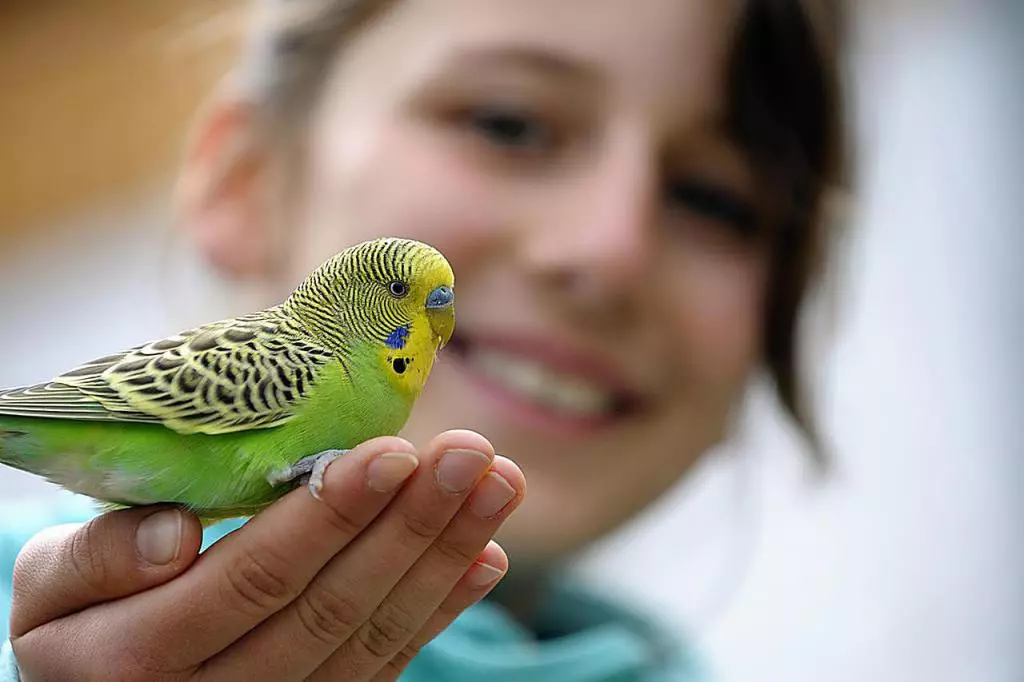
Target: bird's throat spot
(400, 364)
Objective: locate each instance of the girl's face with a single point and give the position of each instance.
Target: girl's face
(570, 158)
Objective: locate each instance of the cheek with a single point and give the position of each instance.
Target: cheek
(398, 182)
(719, 316)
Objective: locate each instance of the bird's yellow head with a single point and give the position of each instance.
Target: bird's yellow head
(395, 297)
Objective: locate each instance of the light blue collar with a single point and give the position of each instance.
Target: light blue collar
(603, 642)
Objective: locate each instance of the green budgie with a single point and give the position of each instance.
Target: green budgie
(223, 417)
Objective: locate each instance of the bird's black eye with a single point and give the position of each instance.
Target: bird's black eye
(398, 288)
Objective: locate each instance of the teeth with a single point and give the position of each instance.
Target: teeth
(541, 385)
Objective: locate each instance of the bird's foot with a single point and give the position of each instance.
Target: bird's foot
(308, 470)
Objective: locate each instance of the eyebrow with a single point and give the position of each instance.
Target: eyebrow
(531, 57)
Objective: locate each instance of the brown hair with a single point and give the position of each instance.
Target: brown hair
(786, 113)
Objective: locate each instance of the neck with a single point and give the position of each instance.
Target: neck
(415, 355)
(521, 594)
(318, 319)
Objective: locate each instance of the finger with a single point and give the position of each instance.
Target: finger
(423, 588)
(67, 568)
(261, 567)
(482, 576)
(351, 587)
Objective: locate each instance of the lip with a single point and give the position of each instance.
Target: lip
(559, 357)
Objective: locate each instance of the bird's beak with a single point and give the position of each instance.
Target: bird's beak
(441, 311)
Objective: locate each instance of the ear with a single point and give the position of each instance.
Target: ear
(226, 192)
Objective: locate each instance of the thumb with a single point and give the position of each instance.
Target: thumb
(67, 568)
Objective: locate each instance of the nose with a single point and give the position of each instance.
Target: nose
(594, 241)
(441, 297)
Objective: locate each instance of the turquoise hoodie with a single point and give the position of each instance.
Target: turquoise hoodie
(602, 641)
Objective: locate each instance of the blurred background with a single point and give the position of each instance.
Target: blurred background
(906, 565)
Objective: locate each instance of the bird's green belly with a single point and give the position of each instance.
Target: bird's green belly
(221, 475)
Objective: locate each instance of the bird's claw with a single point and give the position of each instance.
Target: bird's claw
(316, 477)
(309, 471)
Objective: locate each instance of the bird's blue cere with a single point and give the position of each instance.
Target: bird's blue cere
(397, 338)
(440, 297)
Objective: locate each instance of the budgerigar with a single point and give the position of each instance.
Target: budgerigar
(223, 417)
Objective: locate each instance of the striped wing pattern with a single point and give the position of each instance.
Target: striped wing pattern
(234, 375)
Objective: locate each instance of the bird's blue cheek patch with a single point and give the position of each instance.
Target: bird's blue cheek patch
(397, 338)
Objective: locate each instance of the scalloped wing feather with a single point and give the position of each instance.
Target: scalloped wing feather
(244, 373)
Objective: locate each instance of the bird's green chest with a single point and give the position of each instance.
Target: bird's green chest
(347, 406)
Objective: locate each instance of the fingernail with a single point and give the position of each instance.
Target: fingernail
(491, 496)
(459, 469)
(387, 471)
(158, 537)
(482, 575)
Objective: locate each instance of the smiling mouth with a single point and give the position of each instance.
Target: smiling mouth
(561, 390)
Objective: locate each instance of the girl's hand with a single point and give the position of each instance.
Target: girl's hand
(347, 588)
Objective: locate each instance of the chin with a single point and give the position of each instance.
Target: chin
(531, 544)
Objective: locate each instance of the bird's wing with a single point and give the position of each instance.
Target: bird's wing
(238, 374)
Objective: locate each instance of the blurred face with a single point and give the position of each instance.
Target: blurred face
(569, 159)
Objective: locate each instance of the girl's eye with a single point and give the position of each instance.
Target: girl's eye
(398, 288)
(511, 128)
(715, 204)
